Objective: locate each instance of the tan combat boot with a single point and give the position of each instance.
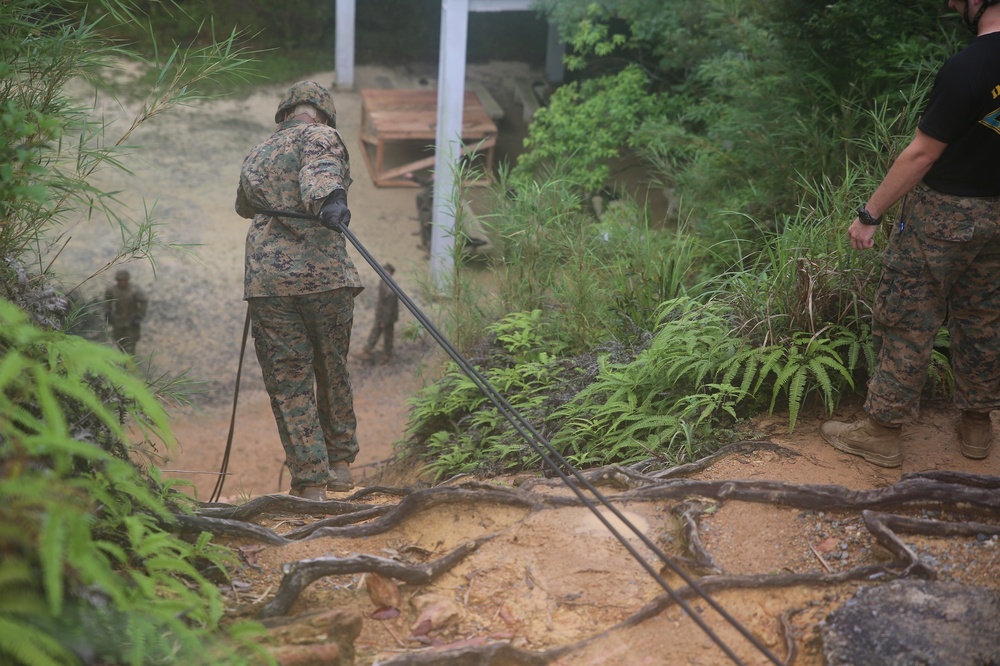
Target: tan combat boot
(340, 477)
(364, 355)
(314, 493)
(975, 434)
(867, 438)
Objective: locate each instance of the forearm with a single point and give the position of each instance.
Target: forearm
(906, 172)
(909, 169)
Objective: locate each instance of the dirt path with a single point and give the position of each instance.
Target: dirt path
(549, 578)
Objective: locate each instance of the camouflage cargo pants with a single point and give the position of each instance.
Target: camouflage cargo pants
(385, 331)
(942, 266)
(126, 337)
(301, 344)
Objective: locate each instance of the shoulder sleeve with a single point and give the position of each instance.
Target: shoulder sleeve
(946, 114)
(325, 164)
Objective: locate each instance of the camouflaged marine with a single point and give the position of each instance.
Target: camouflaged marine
(386, 314)
(125, 308)
(942, 263)
(300, 284)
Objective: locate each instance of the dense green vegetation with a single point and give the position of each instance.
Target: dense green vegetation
(626, 338)
(623, 336)
(91, 570)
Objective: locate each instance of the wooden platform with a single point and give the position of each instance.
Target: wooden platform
(404, 123)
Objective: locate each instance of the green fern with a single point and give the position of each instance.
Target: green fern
(804, 368)
(105, 577)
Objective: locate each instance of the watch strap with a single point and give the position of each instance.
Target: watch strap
(866, 217)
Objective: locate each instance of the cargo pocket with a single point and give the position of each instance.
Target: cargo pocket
(900, 281)
(346, 315)
(943, 218)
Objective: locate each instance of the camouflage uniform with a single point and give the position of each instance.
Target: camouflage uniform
(386, 314)
(942, 260)
(301, 284)
(124, 309)
(941, 266)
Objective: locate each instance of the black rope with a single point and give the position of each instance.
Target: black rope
(224, 470)
(538, 442)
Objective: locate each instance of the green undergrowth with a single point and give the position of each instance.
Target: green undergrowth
(621, 341)
(93, 569)
(676, 398)
(91, 572)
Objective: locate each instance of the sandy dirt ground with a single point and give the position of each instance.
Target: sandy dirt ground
(547, 578)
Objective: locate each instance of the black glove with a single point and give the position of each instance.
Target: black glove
(334, 214)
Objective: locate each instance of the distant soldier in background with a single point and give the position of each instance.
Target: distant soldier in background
(386, 314)
(124, 309)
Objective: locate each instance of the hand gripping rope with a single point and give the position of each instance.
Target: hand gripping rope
(555, 461)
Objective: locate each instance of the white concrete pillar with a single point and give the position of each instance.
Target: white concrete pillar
(344, 49)
(450, 108)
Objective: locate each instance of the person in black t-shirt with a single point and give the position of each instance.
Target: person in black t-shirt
(942, 263)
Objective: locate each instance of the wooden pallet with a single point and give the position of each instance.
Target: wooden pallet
(404, 123)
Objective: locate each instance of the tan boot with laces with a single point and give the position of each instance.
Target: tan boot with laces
(340, 477)
(867, 438)
(314, 493)
(975, 434)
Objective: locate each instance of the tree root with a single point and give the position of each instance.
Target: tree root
(235, 529)
(702, 560)
(911, 491)
(489, 654)
(386, 516)
(298, 575)
(267, 505)
(941, 490)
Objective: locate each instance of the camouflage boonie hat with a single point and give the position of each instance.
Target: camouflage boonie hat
(308, 92)
(122, 275)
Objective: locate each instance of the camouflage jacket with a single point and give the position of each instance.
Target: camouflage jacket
(387, 310)
(295, 169)
(124, 307)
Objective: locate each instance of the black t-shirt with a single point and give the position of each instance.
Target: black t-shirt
(964, 112)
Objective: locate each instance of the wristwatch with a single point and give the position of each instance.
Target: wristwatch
(866, 217)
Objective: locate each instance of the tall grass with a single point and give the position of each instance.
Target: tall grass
(601, 278)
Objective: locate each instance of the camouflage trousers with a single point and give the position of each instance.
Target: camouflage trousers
(126, 337)
(301, 344)
(941, 267)
(385, 331)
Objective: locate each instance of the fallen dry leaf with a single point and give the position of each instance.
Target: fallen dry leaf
(386, 613)
(249, 553)
(827, 545)
(384, 592)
